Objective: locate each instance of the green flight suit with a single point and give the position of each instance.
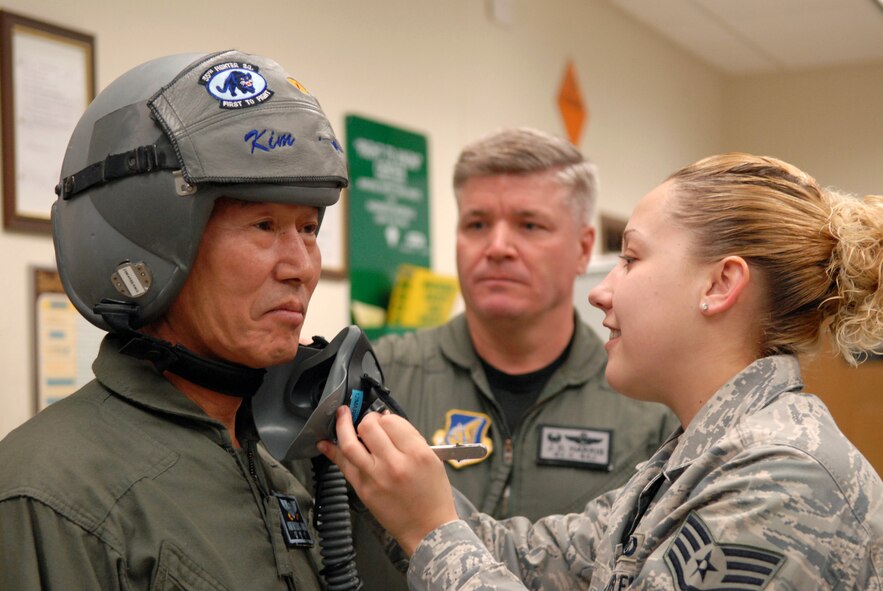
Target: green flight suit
(129, 485)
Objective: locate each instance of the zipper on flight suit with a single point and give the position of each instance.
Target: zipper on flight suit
(508, 456)
(252, 469)
(249, 470)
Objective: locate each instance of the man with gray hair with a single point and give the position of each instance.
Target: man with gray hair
(519, 371)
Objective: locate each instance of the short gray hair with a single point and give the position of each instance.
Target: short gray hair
(525, 151)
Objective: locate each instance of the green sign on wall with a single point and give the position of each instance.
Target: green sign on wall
(388, 213)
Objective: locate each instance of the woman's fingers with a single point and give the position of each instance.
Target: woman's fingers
(395, 473)
(349, 454)
(406, 438)
(388, 437)
(372, 449)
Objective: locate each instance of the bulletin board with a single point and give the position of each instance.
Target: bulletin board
(65, 342)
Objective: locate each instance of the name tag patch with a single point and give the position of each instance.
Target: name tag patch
(294, 529)
(576, 447)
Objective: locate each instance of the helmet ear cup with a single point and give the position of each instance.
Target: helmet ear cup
(103, 231)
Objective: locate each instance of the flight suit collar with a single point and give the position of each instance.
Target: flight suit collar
(456, 346)
(139, 382)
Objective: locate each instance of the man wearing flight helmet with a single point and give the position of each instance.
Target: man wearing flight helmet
(185, 226)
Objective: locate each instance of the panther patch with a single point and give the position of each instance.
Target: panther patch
(236, 85)
(465, 426)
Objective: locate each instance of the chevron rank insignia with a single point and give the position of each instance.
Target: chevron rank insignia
(698, 563)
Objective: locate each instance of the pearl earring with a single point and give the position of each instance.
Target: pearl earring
(705, 306)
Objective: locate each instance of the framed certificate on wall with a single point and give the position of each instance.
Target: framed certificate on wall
(46, 82)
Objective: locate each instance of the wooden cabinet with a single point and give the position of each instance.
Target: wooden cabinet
(855, 397)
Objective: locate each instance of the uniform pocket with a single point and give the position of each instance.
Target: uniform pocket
(175, 571)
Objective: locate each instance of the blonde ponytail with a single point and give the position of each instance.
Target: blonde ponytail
(854, 313)
(819, 252)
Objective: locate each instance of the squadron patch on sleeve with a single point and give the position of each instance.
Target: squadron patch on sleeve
(465, 426)
(698, 563)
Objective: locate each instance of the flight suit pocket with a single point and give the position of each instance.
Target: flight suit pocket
(175, 571)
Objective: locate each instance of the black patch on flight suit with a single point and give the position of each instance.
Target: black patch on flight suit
(294, 529)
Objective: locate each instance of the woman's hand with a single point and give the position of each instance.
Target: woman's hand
(395, 473)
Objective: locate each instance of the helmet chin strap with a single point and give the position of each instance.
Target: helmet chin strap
(224, 377)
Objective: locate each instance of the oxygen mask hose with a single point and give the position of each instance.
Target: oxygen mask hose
(332, 522)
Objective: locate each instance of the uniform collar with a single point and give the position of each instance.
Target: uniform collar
(139, 382)
(456, 346)
(747, 392)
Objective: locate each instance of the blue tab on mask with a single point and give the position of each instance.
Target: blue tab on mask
(356, 399)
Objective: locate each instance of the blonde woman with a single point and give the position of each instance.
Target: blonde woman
(729, 269)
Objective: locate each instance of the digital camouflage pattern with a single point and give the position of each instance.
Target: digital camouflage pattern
(761, 491)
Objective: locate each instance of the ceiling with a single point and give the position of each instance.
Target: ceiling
(742, 37)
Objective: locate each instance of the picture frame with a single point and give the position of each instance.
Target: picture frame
(47, 79)
(610, 238)
(333, 241)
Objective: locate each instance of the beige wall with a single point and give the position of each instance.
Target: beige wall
(828, 122)
(443, 68)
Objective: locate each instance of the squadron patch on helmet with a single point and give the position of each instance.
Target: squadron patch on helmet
(236, 85)
(465, 426)
(697, 562)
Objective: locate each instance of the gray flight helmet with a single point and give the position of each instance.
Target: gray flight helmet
(153, 152)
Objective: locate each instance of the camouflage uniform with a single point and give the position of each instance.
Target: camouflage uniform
(761, 491)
